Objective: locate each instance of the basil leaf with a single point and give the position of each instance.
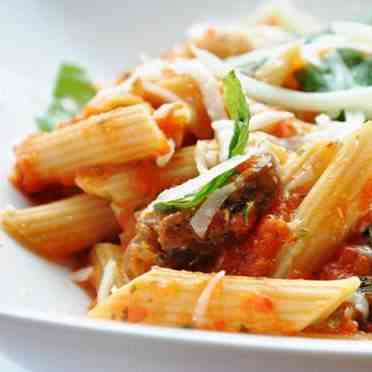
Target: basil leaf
(346, 68)
(72, 90)
(312, 79)
(194, 200)
(238, 110)
(351, 57)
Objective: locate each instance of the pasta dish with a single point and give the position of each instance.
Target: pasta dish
(225, 185)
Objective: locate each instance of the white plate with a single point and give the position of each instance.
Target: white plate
(41, 312)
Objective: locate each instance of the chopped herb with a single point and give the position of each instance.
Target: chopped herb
(247, 211)
(238, 110)
(351, 57)
(72, 91)
(341, 70)
(341, 116)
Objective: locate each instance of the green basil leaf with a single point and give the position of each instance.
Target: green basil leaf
(72, 90)
(343, 69)
(238, 110)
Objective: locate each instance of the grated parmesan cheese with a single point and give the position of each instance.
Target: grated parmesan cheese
(267, 119)
(161, 92)
(163, 160)
(207, 83)
(361, 304)
(202, 303)
(82, 275)
(204, 215)
(152, 70)
(206, 155)
(107, 281)
(223, 132)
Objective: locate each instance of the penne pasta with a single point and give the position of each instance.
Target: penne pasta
(232, 303)
(333, 206)
(63, 227)
(133, 186)
(186, 89)
(112, 102)
(303, 171)
(116, 137)
(239, 162)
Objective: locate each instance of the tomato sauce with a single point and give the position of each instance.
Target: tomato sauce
(256, 256)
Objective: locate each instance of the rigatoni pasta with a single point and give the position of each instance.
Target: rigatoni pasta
(118, 136)
(169, 297)
(305, 169)
(335, 204)
(63, 227)
(130, 186)
(224, 186)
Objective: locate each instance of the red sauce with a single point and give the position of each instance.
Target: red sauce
(256, 256)
(349, 261)
(340, 323)
(366, 196)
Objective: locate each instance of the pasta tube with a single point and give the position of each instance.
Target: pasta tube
(334, 205)
(303, 171)
(135, 185)
(183, 87)
(233, 303)
(63, 227)
(112, 102)
(115, 137)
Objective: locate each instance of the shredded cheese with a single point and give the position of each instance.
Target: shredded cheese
(195, 184)
(268, 119)
(223, 132)
(204, 215)
(204, 299)
(161, 92)
(163, 160)
(207, 83)
(150, 70)
(206, 155)
(361, 304)
(211, 61)
(107, 281)
(82, 275)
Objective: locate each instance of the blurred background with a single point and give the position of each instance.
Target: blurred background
(38, 34)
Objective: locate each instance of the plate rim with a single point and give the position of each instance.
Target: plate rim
(334, 348)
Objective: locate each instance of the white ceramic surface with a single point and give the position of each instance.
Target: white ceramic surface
(41, 311)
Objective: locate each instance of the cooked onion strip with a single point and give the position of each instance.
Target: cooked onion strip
(359, 99)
